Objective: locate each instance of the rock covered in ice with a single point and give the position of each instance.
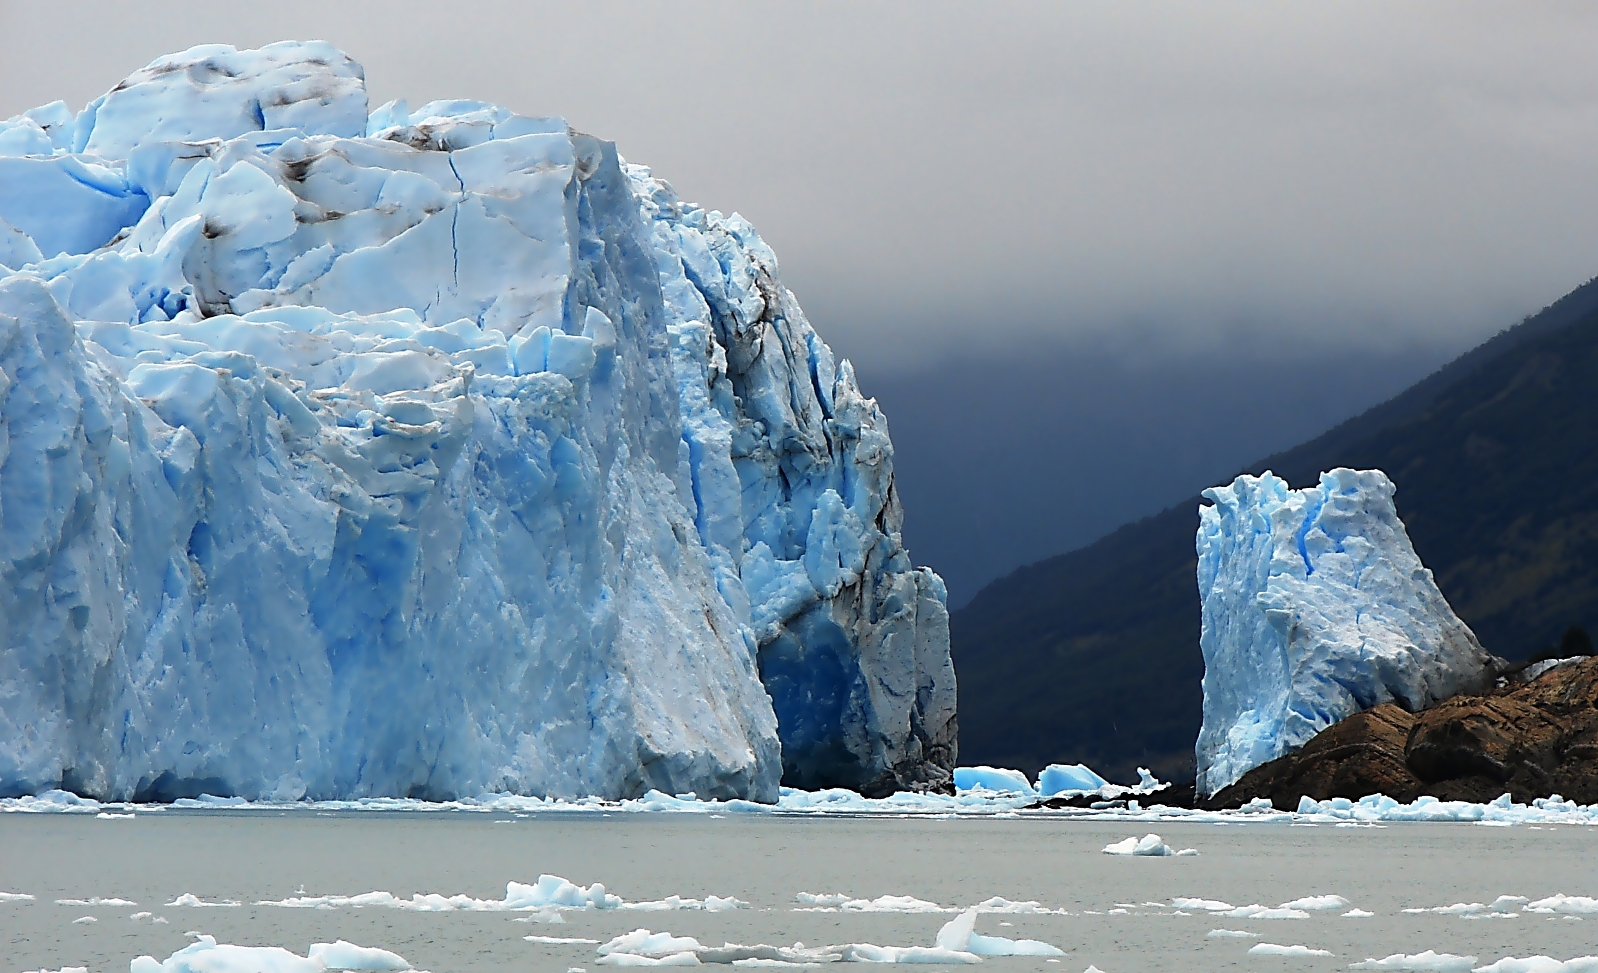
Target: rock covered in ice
(1315, 607)
(425, 453)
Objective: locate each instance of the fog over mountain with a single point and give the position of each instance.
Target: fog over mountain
(1089, 257)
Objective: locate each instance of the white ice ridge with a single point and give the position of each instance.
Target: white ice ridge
(957, 943)
(1148, 846)
(550, 892)
(1315, 607)
(206, 955)
(430, 453)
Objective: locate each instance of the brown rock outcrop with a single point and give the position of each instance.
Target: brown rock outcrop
(1530, 740)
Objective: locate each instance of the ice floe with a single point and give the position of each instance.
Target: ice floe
(1318, 903)
(1258, 911)
(1541, 964)
(549, 892)
(1272, 949)
(1231, 934)
(1148, 846)
(957, 943)
(206, 955)
(1427, 962)
(839, 902)
(195, 902)
(15, 897)
(96, 900)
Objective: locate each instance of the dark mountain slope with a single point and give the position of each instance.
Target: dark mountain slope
(1093, 655)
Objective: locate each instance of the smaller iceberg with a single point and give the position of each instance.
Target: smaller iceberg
(999, 779)
(1063, 778)
(1315, 607)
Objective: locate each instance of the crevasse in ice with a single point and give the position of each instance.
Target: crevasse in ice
(425, 453)
(1315, 607)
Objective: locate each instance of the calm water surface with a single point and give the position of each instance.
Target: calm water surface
(767, 860)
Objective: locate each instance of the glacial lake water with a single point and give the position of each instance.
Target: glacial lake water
(254, 855)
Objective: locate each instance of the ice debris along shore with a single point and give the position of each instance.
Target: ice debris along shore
(1315, 607)
(426, 453)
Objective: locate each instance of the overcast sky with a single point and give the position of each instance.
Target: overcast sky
(1149, 186)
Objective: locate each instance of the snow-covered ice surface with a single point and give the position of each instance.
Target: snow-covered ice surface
(1314, 607)
(356, 452)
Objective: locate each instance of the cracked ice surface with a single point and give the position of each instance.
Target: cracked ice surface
(1314, 607)
(425, 454)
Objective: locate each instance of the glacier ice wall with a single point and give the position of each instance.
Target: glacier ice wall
(1315, 607)
(425, 453)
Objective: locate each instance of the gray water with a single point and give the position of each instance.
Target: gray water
(766, 860)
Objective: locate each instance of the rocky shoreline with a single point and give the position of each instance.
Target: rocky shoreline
(1528, 739)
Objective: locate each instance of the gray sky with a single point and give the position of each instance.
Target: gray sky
(1149, 187)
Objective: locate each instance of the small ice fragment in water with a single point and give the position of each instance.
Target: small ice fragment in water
(343, 955)
(194, 901)
(15, 897)
(559, 941)
(1357, 914)
(1232, 934)
(1258, 911)
(1205, 905)
(1317, 903)
(84, 920)
(1148, 846)
(1427, 962)
(1272, 949)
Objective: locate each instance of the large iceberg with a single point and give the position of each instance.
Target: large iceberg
(425, 453)
(1315, 607)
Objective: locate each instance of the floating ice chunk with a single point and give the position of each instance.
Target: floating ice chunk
(1060, 778)
(1317, 903)
(1541, 964)
(1004, 906)
(1202, 905)
(206, 955)
(1427, 962)
(109, 816)
(84, 920)
(1148, 846)
(1357, 914)
(15, 897)
(1314, 607)
(632, 959)
(96, 901)
(343, 955)
(1232, 934)
(1258, 911)
(1272, 949)
(1560, 904)
(959, 935)
(643, 942)
(140, 915)
(559, 940)
(549, 892)
(1504, 905)
(193, 901)
(838, 902)
(919, 955)
(1000, 779)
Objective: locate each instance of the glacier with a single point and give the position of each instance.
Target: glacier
(426, 453)
(1314, 606)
